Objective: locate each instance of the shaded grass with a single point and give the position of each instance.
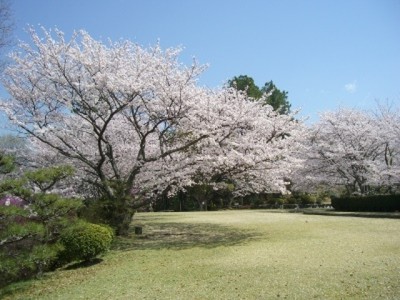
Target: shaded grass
(237, 255)
(179, 236)
(84, 264)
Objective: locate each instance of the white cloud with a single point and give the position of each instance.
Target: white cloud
(351, 87)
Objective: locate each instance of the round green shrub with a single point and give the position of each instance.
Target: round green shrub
(85, 241)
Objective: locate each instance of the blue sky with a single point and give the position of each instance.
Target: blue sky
(325, 53)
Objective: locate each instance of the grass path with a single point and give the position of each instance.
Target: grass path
(237, 255)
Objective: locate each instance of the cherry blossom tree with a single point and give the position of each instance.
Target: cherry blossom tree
(388, 118)
(254, 148)
(134, 122)
(350, 148)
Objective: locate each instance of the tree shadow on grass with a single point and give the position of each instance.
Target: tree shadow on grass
(84, 264)
(183, 236)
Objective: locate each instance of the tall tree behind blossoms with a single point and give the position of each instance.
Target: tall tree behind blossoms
(269, 94)
(133, 121)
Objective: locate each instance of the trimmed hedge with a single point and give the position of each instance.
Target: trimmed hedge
(383, 203)
(85, 241)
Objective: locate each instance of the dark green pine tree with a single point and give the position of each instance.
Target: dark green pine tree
(246, 83)
(277, 99)
(31, 221)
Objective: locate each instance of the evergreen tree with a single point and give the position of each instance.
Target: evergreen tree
(246, 84)
(277, 98)
(274, 97)
(31, 222)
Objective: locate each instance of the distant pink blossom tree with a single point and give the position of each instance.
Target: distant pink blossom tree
(353, 149)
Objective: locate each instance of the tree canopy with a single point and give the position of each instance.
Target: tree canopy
(352, 149)
(134, 123)
(269, 94)
(246, 84)
(276, 98)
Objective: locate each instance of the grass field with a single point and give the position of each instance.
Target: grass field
(237, 255)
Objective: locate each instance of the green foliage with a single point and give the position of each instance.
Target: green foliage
(16, 187)
(46, 178)
(253, 200)
(246, 84)
(25, 249)
(277, 98)
(303, 198)
(367, 203)
(51, 207)
(6, 164)
(17, 231)
(85, 241)
(12, 212)
(284, 200)
(29, 235)
(290, 201)
(115, 213)
(25, 263)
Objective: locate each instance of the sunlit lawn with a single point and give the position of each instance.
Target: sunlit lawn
(237, 255)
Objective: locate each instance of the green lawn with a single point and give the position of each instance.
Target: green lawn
(237, 255)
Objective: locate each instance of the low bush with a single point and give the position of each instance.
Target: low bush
(85, 241)
(383, 203)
